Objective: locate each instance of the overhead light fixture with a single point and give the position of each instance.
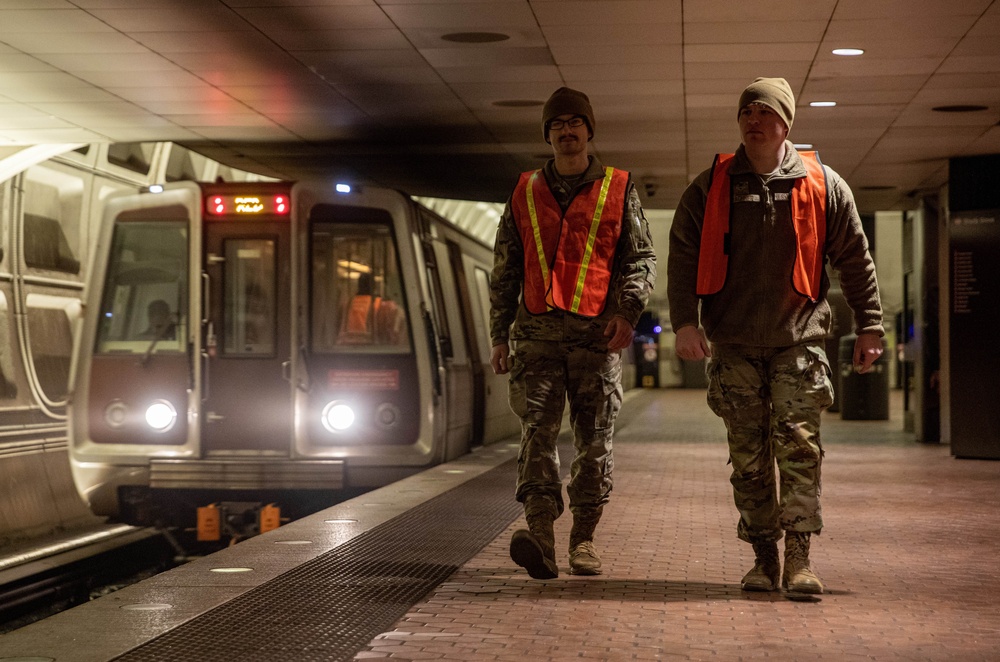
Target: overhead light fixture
(822, 104)
(802, 145)
(848, 51)
(475, 37)
(959, 108)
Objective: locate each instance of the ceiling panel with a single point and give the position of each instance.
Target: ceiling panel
(607, 12)
(466, 15)
(375, 89)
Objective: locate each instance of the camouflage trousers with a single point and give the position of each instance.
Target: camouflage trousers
(770, 400)
(543, 375)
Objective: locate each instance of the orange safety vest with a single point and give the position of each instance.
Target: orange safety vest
(809, 209)
(357, 312)
(568, 257)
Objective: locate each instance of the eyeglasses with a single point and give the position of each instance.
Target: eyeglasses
(573, 123)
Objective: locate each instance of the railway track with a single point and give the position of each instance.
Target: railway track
(54, 576)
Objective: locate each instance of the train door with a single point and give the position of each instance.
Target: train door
(247, 313)
(467, 318)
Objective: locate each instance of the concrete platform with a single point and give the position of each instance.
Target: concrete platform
(909, 557)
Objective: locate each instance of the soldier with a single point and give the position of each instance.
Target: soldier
(750, 239)
(573, 268)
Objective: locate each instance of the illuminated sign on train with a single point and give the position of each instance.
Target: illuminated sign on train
(246, 205)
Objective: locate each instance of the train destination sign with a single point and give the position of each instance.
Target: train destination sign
(246, 204)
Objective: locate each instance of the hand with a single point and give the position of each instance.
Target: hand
(500, 359)
(691, 344)
(867, 348)
(621, 333)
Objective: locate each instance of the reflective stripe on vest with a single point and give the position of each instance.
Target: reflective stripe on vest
(809, 208)
(568, 258)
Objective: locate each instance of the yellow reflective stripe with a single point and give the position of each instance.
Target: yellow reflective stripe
(608, 172)
(535, 231)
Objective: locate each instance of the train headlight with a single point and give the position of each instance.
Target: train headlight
(115, 414)
(337, 416)
(161, 416)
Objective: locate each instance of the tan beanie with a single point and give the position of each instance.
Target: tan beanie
(565, 101)
(772, 92)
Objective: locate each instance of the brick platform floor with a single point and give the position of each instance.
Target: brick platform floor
(910, 557)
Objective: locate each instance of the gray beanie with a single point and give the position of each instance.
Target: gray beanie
(774, 93)
(565, 101)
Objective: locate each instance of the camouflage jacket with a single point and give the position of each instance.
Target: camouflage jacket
(631, 281)
(758, 306)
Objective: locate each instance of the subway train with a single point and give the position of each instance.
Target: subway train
(51, 200)
(248, 350)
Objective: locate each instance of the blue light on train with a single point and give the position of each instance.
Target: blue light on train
(657, 329)
(343, 188)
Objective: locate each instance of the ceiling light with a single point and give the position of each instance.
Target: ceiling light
(802, 145)
(475, 37)
(959, 108)
(822, 104)
(847, 51)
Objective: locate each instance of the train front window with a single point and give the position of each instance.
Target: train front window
(250, 297)
(144, 305)
(357, 293)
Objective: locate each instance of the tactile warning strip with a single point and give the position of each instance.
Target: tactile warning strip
(331, 607)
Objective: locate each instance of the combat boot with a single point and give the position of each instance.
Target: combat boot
(534, 548)
(583, 558)
(766, 572)
(797, 577)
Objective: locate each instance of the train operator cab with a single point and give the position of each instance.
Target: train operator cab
(271, 343)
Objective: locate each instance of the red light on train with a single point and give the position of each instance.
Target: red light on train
(232, 205)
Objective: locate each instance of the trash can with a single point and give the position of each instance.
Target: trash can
(862, 397)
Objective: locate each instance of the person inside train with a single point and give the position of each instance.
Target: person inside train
(160, 322)
(371, 318)
(573, 268)
(749, 242)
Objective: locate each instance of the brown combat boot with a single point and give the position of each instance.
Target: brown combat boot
(534, 548)
(766, 571)
(797, 577)
(583, 558)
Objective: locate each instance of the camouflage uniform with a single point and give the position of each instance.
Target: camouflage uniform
(770, 400)
(769, 377)
(558, 355)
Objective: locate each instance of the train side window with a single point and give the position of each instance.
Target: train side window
(483, 299)
(357, 292)
(250, 306)
(436, 288)
(52, 210)
(144, 300)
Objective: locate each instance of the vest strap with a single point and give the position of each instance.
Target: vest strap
(591, 238)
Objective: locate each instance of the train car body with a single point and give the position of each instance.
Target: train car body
(51, 201)
(276, 342)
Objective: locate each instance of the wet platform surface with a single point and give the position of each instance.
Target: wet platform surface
(909, 557)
